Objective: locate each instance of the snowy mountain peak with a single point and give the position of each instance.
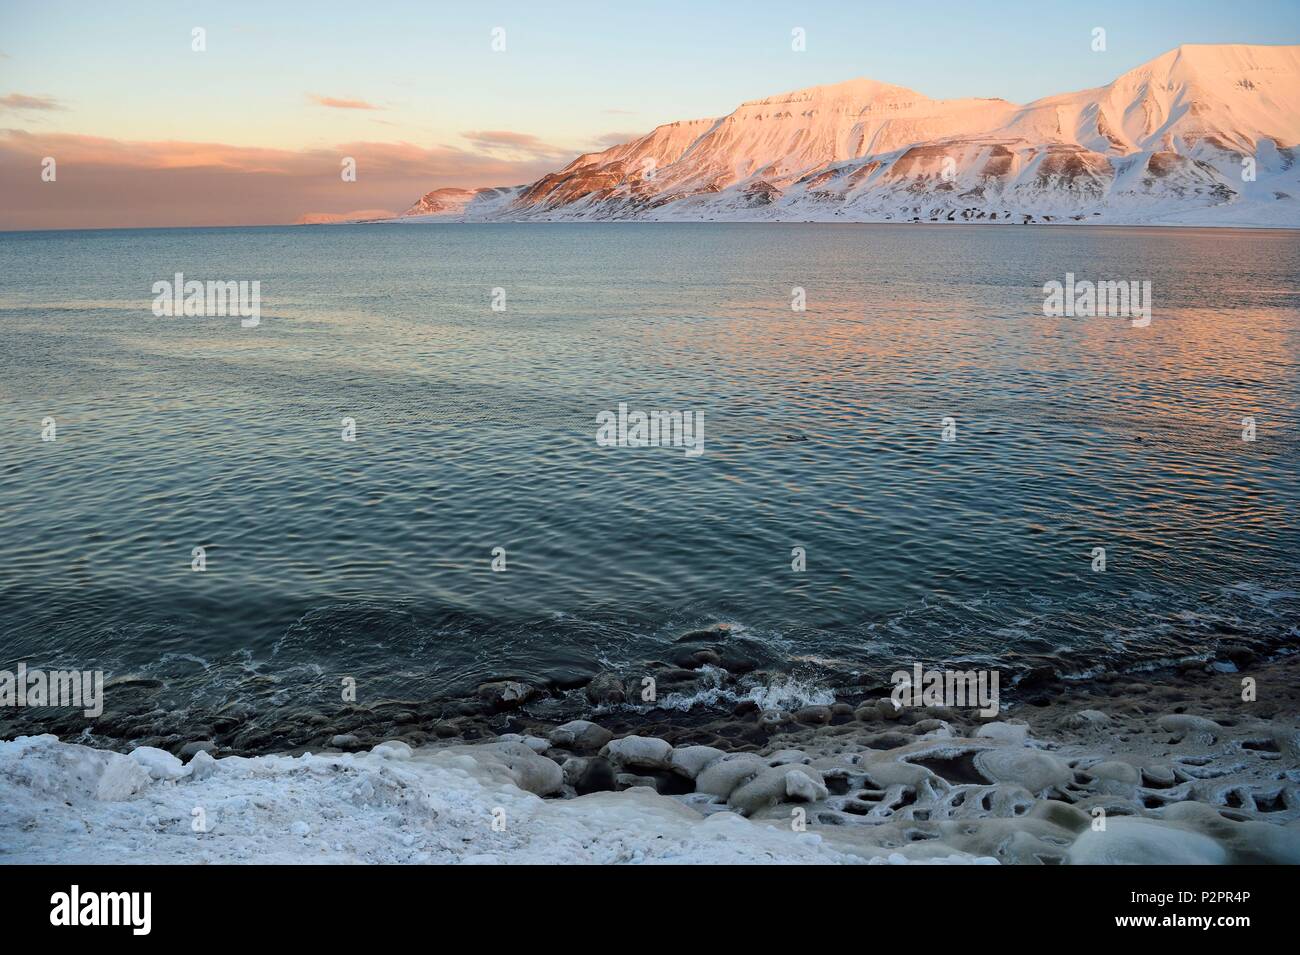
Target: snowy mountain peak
(860, 91)
(1202, 134)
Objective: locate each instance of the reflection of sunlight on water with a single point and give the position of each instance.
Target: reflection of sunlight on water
(822, 428)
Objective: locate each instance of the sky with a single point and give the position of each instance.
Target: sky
(147, 131)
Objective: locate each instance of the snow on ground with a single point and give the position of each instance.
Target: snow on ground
(66, 803)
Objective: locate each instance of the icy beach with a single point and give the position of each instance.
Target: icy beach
(1118, 773)
(72, 804)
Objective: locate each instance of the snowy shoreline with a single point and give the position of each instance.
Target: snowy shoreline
(1178, 772)
(64, 803)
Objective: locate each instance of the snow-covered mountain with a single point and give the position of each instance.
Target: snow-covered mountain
(1201, 135)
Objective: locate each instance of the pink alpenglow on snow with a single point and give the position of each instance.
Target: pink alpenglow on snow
(1202, 135)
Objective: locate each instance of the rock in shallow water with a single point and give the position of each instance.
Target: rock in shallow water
(506, 694)
(606, 690)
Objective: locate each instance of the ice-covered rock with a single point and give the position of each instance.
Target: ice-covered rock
(690, 761)
(582, 736)
(518, 764)
(203, 765)
(393, 749)
(646, 751)
(189, 750)
(1182, 725)
(777, 784)
(1129, 841)
(1034, 770)
(1088, 719)
(70, 774)
(1015, 733)
(535, 743)
(159, 763)
(723, 775)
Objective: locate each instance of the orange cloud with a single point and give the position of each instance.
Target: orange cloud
(508, 141)
(110, 183)
(335, 103)
(23, 101)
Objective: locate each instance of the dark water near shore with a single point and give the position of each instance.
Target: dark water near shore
(476, 430)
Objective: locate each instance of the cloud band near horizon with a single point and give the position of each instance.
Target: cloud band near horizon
(111, 183)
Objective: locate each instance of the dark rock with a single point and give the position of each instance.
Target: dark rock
(692, 657)
(813, 715)
(567, 678)
(1036, 677)
(1238, 654)
(506, 694)
(711, 635)
(736, 659)
(632, 780)
(597, 776)
(581, 735)
(605, 690)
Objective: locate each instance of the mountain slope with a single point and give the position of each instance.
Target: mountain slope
(1199, 135)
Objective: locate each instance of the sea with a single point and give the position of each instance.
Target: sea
(396, 474)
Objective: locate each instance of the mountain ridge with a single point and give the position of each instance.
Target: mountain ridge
(1204, 134)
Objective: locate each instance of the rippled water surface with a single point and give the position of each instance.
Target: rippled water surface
(476, 429)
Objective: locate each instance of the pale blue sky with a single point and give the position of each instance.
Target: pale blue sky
(572, 73)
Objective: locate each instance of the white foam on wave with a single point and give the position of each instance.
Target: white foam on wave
(782, 692)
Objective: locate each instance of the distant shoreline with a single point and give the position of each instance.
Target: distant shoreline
(691, 222)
